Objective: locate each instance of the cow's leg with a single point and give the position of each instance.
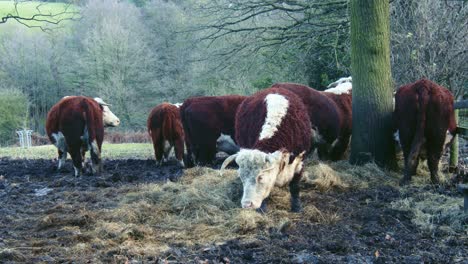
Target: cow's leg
(167, 150)
(77, 160)
(95, 158)
(412, 161)
(433, 157)
(159, 151)
(323, 151)
(179, 151)
(338, 148)
(294, 190)
(158, 146)
(62, 157)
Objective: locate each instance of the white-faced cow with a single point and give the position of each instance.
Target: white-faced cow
(425, 122)
(273, 131)
(205, 119)
(166, 131)
(75, 125)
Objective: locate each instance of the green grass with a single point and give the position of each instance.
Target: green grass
(30, 8)
(109, 151)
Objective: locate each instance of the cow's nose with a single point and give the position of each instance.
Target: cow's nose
(117, 121)
(247, 205)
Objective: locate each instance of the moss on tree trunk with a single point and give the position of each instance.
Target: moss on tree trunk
(372, 83)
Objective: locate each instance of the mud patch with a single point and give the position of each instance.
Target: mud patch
(137, 212)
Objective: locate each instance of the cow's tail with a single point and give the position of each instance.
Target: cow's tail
(418, 137)
(89, 135)
(189, 159)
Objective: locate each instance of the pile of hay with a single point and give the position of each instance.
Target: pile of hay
(434, 212)
(342, 175)
(202, 208)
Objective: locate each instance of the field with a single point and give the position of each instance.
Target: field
(136, 212)
(59, 11)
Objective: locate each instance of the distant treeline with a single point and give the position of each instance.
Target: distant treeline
(138, 54)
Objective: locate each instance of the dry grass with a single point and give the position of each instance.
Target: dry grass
(341, 176)
(203, 208)
(434, 212)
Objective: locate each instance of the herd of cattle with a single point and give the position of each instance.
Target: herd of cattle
(268, 134)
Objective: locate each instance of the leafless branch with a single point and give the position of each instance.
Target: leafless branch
(44, 18)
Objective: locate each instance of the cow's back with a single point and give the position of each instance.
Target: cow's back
(323, 112)
(293, 133)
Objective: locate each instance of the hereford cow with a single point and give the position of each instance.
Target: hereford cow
(273, 131)
(330, 133)
(76, 124)
(166, 132)
(342, 96)
(204, 120)
(425, 121)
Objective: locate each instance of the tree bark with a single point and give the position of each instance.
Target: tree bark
(372, 83)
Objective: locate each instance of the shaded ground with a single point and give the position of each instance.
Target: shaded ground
(47, 216)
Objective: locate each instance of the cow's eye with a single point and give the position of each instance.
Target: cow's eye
(259, 178)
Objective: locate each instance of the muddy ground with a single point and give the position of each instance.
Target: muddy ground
(34, 198)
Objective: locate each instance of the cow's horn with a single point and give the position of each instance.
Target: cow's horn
(226, 162)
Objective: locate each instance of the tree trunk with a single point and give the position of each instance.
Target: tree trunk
(372, 83)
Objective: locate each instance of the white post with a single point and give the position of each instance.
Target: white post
(28, 138)
(20, 136)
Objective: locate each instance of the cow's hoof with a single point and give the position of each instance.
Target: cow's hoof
(404, 182)
(296, 208)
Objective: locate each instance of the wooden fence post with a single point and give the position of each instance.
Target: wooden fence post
(454, 149)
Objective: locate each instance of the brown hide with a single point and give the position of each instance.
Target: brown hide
(164, 124)
(79, 119)
(423, 114)
(204, 119)
(293, 134)
(330, 116)
(344, 103)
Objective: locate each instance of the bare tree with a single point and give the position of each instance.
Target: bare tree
(310, 34)
(429, 40)
(45, 18)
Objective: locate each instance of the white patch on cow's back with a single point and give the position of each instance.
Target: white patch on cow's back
(276, 109)
(178, 105)
(343, 88)
(340, 81)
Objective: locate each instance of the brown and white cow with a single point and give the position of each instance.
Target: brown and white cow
(75, 125)
(425, 121)
(342, 96)
(330, 118)
(166, 131)
(205, 119)
(273, 131)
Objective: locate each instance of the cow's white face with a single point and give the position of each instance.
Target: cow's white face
(108, 118)
(258, 172)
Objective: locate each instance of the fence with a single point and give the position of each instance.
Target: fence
(459, 150)
(24, 137)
